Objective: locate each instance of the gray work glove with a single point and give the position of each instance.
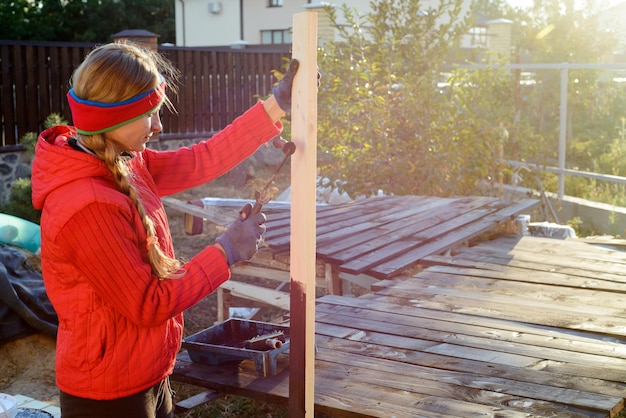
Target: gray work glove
(282, 91)
(241, 239)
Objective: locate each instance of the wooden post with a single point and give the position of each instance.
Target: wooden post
(303, 183)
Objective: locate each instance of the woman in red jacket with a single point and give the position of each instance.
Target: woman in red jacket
(106, 251)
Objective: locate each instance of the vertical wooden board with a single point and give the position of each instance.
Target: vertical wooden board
(32, 89)
(20, 92)
(188, 87)
(229, 94)
(196, 80)
(63, 63)
(213, 91)
(8, 110)
(57, 100)
(303, 216)
(43, 81)
(243, 76)
(204, 93)
(166, 114)
(222, 89)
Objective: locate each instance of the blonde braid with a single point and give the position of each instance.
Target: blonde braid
(162, 265)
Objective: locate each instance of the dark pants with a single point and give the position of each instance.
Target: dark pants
(155, 402)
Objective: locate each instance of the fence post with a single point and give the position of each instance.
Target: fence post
(303, 217)
(563, 130)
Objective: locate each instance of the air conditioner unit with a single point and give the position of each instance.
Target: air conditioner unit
(215, 7)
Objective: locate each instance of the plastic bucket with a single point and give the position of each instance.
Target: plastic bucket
(522, 222)
(8, 406)
(20, 233)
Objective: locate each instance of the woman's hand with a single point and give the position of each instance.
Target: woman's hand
(279, 102)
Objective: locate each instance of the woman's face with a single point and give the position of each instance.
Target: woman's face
(135, 135)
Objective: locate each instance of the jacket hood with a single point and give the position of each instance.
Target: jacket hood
(56, 164)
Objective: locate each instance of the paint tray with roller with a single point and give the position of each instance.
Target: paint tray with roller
(235, 340)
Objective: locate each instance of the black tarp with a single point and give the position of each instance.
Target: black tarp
(24, 305)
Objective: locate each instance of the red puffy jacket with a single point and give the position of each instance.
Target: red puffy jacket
(120, 327)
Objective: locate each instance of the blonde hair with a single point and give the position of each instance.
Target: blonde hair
(113, 73)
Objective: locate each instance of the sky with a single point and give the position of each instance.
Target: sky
(521, 3)
(529, 3)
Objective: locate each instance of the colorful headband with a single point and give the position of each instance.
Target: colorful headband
(91, 118)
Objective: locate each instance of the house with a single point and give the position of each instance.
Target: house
(237, 23)
(612, 19)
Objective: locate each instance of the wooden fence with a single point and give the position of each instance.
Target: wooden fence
(216, 85)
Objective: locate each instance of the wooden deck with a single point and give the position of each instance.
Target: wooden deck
(513, 327)
(359, 242)
(382, 236)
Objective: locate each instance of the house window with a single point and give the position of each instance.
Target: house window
(278, 36)
(275, 3)
(478, 36)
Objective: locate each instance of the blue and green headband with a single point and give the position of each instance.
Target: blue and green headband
(91, 118)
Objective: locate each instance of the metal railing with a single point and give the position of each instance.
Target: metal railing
(564, 69)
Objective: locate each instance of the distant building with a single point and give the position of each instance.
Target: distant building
(613, 20)
(238, 23)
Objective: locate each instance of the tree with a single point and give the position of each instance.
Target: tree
(384, 122)
(14, 15)
(85, 20)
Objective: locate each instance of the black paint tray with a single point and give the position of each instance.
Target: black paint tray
(227, 341)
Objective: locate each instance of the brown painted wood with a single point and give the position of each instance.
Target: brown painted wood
(471, 338)
(383, 236)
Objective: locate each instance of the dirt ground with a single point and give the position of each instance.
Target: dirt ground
(27, 364)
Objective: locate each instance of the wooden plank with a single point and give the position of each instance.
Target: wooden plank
(32, 92)
(572, 247)
(339, 399)
(395, 266)
(212, 215)
(398, 249)
(8, 119)
(391, 348)
(303, 215)
(261, 272)
(392, 241)
(469, 390)
(328, 220)
(581, 299)
(272, 297)
(539, 263)
(20, 86)
(43, 82)
(573, 251)
(197, 400)
(413, 351)
(333, 243)
(502, 330)
(527, 272)
(241, 379)
(456, 341)
(508, 307)
(423, 394)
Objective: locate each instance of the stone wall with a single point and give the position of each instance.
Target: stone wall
(13, 165)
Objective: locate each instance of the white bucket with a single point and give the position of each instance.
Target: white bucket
(522, 222)
(8, 406)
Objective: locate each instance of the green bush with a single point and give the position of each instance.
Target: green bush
(20, 200)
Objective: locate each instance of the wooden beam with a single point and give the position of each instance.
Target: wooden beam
(196, 400)
(303, 217)
(257, 293)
